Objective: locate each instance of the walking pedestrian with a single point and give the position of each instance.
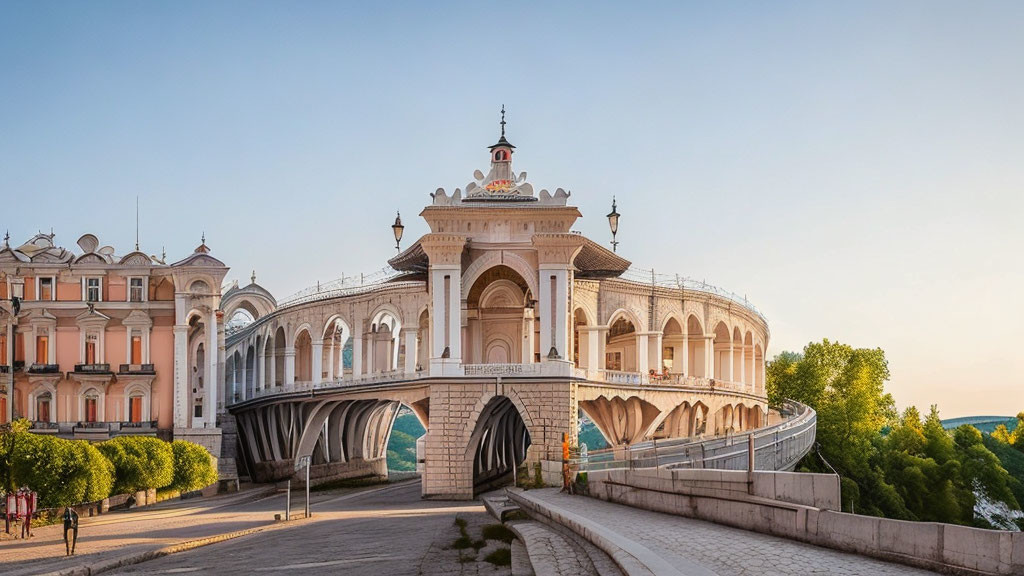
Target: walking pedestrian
(22, 510)
(70, 525)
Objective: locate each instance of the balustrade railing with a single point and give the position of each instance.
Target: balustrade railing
(776, 447)
(543, 369)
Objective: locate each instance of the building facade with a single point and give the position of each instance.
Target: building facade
(105, 344)
(496, 328)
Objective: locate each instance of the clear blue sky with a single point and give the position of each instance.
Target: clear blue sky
(856, 168)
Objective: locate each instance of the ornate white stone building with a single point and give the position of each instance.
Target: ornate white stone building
(495, 328)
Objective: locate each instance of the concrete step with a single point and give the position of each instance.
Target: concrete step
(498, 505)
(521, 560)
(550, 552)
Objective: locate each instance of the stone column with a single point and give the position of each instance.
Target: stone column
(602, 347)
(10, 373)
(245, 373)
(555, 255)
(654, 350)
(330, 360)
(727, 373)
(357, 355)
(444, 252)
(528, 334)
(212, 380)
(709, 353)
(261, 360)
(371, 352)
(318, 361)
(218, 400)
(684, 362)
(642, 356)
(289, 366)
(273, 365)
(409, 335)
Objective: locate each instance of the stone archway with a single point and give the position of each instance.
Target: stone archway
(498, 444)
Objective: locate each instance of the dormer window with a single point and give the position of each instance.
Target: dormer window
(93, 289)
(137, 290)
(500, 156)
(45, 291)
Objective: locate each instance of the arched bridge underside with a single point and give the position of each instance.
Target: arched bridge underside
(478, 428)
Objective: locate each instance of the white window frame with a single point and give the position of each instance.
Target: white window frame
(129, 294)
(85, 288)
(18, 290)
(53, 287)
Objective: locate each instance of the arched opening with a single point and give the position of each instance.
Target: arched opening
(199, 371)
(499, 443)
(278, 356)
(672, 347)
(304, 357)
(723, 363)
(699, 422)
(250, 372)
(241, 318)
(621, 346)
(499, 318)
(383, 351)
(231, 375)
(696, 352)
(336, 338)
(583, 351)
(423, 341)
(44, 405)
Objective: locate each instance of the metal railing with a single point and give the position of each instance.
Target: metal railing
(776, 447)
(677, 282)
(344, 286)
(308, 386)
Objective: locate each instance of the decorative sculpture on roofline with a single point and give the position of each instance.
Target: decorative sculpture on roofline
(500, 184)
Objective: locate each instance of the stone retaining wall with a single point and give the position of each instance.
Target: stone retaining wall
(802, 507)
(280, 470)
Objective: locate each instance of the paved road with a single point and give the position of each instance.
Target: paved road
(122, 533)
(387, 531)
(720, 549)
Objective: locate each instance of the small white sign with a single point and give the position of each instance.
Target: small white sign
(301, 463)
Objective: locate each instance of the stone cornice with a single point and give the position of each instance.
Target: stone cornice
(444, 249)
(558, 249)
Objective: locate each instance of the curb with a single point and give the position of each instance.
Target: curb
(107, 565)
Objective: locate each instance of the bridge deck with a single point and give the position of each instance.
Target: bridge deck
(706, 548)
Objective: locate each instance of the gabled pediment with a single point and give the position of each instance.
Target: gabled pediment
(138, 318)
(136, 259)
(199, 259)
(93, 316)
(92, 258)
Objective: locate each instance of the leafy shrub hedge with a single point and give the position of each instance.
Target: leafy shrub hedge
(193, 467)
(140, 462)
(67, 472)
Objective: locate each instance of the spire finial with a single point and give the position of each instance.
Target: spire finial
(7, 236)
(502, 120)
(253, 278)
(204, 237)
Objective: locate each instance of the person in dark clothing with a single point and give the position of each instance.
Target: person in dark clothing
(70, 525)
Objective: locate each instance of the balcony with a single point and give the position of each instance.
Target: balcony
(92, 369)
(141, 369)
(44, 369)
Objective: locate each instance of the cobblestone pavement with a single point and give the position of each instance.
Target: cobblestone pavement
(551, 553)
(121, 533)
(386, 532)
(721, 549)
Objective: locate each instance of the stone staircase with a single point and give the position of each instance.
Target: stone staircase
(544, 548)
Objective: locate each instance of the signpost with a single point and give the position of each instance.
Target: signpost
(300, 464)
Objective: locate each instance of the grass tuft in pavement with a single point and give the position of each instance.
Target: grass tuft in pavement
(500, 557)
(498, 532)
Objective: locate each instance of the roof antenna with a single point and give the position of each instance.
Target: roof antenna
(502, 120)
(136, 222)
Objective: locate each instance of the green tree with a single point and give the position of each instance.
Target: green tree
(140, 462)
(193, 467)
(63, 472)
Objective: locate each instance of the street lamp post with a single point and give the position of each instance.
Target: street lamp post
(613, 223)
(398, 229)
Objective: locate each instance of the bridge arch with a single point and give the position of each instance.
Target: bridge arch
(498, 444)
